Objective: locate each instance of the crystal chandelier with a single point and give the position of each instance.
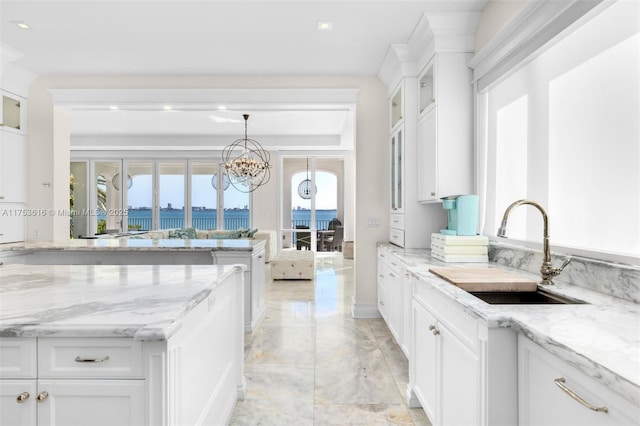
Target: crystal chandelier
(246, 163)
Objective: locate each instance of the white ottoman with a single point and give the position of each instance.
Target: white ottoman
(293, 265)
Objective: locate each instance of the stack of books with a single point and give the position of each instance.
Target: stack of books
(460, 248)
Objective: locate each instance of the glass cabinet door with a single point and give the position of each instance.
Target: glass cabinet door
(10, 113)
(427, 89)
(397, 171)
(396, 107)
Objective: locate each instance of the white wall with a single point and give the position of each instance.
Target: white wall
(46, 158)
(494, 17)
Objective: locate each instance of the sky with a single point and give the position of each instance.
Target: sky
(172, 191)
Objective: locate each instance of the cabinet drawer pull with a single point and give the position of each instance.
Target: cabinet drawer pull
(560, 382)
(42, 396)
(79, 359)
(433, 194)
(22, 397)
(1, 197)
(382, 303)
(434, 330)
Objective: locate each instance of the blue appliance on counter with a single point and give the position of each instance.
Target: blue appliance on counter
(463, 214)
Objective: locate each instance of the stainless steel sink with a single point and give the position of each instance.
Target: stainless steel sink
(538, 297)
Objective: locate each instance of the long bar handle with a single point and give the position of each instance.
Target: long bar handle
(80, 359)
(560, 382)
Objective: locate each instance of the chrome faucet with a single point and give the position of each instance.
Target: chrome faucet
(547, 271)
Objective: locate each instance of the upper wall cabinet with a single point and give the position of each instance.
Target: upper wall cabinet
(12, 113)
(445, 128)
(13, 165)
(396, 107)
(427, 93)
(410, 222)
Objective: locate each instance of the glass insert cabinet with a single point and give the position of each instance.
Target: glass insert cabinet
(397, 168)
(10, 113)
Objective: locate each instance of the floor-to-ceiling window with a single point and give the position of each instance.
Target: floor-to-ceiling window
(140, 196)
(160, 194)
(205, 182)
(171, 194)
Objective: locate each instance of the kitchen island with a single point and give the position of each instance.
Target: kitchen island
(125, 344)
(132, 251)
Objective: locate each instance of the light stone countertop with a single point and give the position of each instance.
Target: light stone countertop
(145, 302)
(601, 338)
(142, 244)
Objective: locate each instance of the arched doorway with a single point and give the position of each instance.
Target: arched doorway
(306, 214)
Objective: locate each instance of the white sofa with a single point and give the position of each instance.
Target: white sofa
(270, 249)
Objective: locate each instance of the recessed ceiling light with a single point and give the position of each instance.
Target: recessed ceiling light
(167, 108)
(21, 24)
(113, 107)
(325, 26)
(222, 107)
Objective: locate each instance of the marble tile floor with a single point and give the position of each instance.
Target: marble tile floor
(311, 363)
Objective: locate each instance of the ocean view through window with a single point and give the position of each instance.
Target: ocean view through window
(201, 218)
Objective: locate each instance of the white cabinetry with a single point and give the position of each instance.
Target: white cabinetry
(383, 290)
(75, 402)
(410, 224)
(460, 371)
(551, 392)
(76, 382)
(397, 170)
(445, 128)
(446, 368)
(394, 297)
(254, 281)
(13, 152)
(194, 377)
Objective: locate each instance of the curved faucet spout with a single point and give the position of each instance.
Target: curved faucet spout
(547, 271)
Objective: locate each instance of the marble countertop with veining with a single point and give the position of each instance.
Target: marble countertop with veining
(601, 337)
(145, 302)
(122, 244)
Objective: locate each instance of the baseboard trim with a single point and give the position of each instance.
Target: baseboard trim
(363, 311)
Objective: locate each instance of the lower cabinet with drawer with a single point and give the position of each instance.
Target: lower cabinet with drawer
(552, 392)
(193, 377)
(76, 382)
(460, 370)
(394, 297)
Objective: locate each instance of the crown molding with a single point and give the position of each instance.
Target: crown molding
(439, 32)
(535, 26)
(198, 99)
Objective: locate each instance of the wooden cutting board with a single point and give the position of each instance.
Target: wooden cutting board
(485, 279)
